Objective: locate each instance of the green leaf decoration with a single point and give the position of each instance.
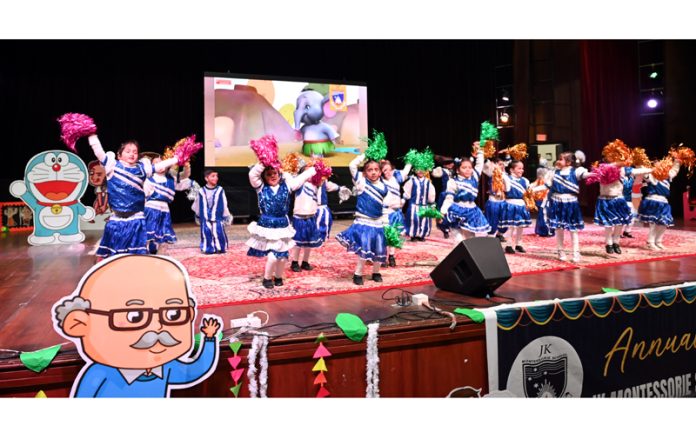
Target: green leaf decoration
(39, 360)
(352, 326)
(476, 316)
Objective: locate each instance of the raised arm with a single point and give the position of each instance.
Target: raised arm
(97, 148)
(479, 161)
(164, 164)
(294, 183)
(355, 174)
(255, 174)
(488, 167)
(404, 172)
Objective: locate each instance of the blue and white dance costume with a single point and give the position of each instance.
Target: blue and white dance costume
(631, 178)
(304, 221)
(419, 192)
(159, 192)
(494, 204)
(125, 231)
(562, 210)
(445, 174)
(272, 235)
(324, 217)
(365, 237)
(540, 227)
(514, 214)
(460, 206)
(392, 214)
(213, 215)
(655, 210)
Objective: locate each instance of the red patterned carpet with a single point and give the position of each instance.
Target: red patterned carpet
(234, 277)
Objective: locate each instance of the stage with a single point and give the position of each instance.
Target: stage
(419, 355)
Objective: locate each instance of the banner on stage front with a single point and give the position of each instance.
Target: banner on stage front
(623, 344)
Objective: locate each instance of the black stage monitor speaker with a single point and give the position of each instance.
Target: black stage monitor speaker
(476, 267)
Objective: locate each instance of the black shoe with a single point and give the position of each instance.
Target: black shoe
(627, 235)
(383, 265)
(152, 248)
(294, 266)
(357, 280)
(414, 239)
(509, 250)
(278, 281)
(305, 266)
(610, 248)
(520, 249)
(392, 261)
(267, 283)
(617, 249)
(377, 277)
(446, 235)
(500, 237)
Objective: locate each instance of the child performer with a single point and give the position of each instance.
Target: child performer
(654, 209)
(213, 214)
(393, 203)
(324, 217)
(540, 192)
(419, 192)
(125, 231)
(495, 203)
(445, 172)
(308, 232)
(460, 207)
(514, 213)
(159, 191)
(365, 237)
(272, 235)
(562, 207)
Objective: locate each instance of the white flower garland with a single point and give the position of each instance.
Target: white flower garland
(372, 390)
(258, 344)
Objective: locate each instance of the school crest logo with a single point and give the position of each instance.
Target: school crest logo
(548, 367)
(337, 94)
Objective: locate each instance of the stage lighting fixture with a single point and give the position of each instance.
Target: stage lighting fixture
(653, 75)
(505, 96)
(652, 103)
(504, 118)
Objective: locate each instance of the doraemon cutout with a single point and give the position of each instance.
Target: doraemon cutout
(54, 182)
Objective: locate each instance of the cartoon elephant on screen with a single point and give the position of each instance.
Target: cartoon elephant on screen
(317, 136)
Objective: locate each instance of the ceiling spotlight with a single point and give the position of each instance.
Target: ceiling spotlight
(653, 75)
(505, 96)
(652, 103)
(504, 118)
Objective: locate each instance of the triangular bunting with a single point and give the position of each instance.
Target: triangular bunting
(321, 337)
(39, 360)
(322, 393)
(320, 366)
(235, 345)
(321, 351)
(320, 379)
(237, 374)
(40, 394)
(234, 361)
(235, 389)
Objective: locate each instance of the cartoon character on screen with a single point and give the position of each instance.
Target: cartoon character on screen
(460, 206)
(54, 182)
(317, 137)
(159, 192)
(137, 338)
(212, 214)
(97, 179)
(272, 235)
(393, 216)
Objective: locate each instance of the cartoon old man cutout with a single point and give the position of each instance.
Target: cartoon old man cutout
(131, 318)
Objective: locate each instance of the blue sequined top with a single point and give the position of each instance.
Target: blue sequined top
(274, 207)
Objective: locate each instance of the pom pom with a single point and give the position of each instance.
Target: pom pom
(616, 151)
(393, 235)
(498, 182)
(686, 156)
(605, 173)
(639, 158)
(266, 149)
(488, 132)
(528, 197)
(421, 161)
(74, 126)
(519, 151)
(429, 212)
(193, 190)
(344, 194)
(376, 147)
(580, 157)
(292, 163)
(185, 148)
(324, 171)
(661, 168)
(540, 194)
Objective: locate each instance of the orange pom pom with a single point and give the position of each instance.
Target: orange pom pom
(616, 151)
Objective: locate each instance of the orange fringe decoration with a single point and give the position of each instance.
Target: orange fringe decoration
(539, 195)
(528, 197)
(498, 183)
(291, 163)
(686, 156)
(639, 158)
(519, 151)
(661, 168)
(616, 151)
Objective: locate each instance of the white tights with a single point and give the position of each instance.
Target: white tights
(516, 235)
(295, 253)
(462, 234)
(612, 234)
(274, 266)
(361, 267)
(574, 236)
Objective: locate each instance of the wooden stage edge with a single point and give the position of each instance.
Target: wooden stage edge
(419, 355)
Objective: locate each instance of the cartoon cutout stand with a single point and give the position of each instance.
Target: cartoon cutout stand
(136, 339)
(54, 182)
(97, 179)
